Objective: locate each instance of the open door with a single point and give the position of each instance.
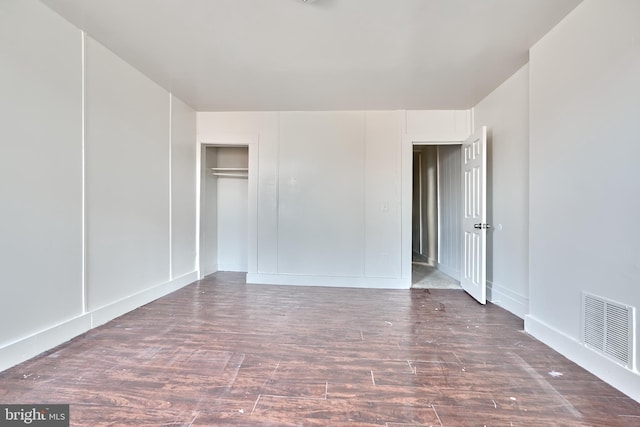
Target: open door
(474, 216)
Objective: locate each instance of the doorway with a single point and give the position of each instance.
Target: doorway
(224, 244)
(436, 212)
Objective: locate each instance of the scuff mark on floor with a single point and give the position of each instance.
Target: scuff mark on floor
(256, 404)
(544, 384)
(436, 412)
(194, 418)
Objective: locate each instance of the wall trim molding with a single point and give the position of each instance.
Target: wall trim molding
(507, 299)
(607, 370)
(202, 274)
(26, 348)
(47, 339)
(329, 281)
(106, 313)
(408, 140)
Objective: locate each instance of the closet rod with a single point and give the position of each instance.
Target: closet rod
(234, 175)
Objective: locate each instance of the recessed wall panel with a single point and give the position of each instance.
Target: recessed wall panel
(127, 179)
(321, 193)
(40, 170)
(382, 187)
(183, 188)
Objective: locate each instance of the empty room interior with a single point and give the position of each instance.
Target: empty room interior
(320, 212)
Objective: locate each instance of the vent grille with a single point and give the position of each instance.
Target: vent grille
(608, 328)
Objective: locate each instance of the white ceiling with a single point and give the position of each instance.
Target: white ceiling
(229, 55)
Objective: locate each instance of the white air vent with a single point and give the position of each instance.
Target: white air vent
(608, 328)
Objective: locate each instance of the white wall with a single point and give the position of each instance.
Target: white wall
(506, 114)
(450, 206)
(183, 188)
(92, 193)
(40, 171)
(127, 163)
(330, 190)
(382, 192)
(437, 125)
(584, 175)
(321, 194)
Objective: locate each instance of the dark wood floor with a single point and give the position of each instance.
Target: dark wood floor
(220, 352)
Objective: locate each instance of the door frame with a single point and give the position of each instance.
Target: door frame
(406, 183)
(420, 196)
(231, 140)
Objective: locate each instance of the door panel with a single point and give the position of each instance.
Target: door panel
(474, 226)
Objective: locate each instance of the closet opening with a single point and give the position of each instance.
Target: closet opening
(436, 216)
(224, 209)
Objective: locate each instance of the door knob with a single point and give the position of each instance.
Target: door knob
(481, 226)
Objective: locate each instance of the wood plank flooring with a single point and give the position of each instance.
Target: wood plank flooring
(220, 352)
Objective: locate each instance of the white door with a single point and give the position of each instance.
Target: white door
(474, 216)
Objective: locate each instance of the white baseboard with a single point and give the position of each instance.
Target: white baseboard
(607, 370)
(109, 312)
(31, 346)
(205, 272)
(329, 281)
(507, 299)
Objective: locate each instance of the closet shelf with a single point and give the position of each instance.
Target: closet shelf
(230, 169)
